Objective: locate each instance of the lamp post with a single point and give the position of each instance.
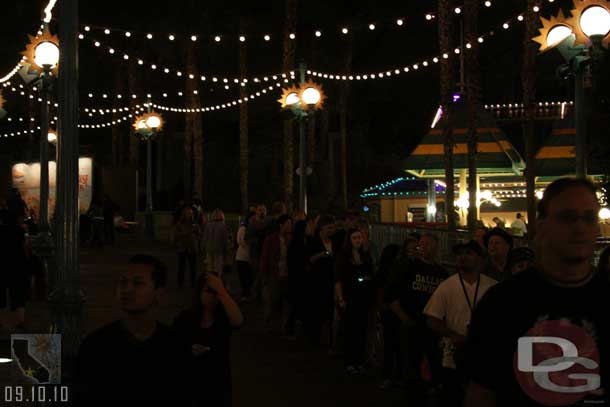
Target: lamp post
(42, 54)
(308, 97)
(581, 39)
(147, 127)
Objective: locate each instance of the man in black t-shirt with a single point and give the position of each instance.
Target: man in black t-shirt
(411, 286)
(542, 338)
(135, 360)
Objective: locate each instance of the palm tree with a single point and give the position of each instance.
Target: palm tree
(288, 64)
(134, 142)
(529, 101)
(343, 109)
(194, 132)
(445, 27)
(243, 124)
(473, 91)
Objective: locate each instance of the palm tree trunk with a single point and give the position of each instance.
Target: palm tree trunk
(529, 101)
(117, 131)
(446, 83)
(288, 64)
(243, 125)
(473, 91)
(343, 108)
(193, 146)
(134, 142)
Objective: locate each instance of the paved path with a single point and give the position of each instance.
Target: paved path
(267, 370)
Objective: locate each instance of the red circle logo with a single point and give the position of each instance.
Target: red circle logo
(557, 363)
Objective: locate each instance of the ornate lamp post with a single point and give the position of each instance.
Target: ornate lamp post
(582, 39)
(147, 127)
(42, 55)
(308, 97)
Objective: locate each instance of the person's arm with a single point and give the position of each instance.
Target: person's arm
(231, 308)
(400, 313)
(440, 328)
(339, 294)
(479, 396)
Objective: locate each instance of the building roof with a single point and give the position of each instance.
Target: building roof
(401, 186)
(495, 153)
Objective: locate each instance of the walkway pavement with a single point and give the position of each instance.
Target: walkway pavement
(267, 370)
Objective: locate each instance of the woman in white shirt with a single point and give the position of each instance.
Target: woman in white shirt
(242, 259)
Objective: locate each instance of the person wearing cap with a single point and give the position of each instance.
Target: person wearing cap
(498, 243)
(520, 259)
(525, 329)
(518, 227)
(450, 308)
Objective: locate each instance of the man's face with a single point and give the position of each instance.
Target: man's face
(328, 230)
(479, 236)
(570, 230)
(427, 246)
(467, 260)
(412, 249)
(136, 291)
(497, 247)
(261, 211)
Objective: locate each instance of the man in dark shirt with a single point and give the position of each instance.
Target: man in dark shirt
(411, 286)
(135, 360)
(542, 338)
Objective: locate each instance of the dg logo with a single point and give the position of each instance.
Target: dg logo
(557, 363)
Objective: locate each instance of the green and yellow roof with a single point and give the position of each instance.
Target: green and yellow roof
(496, 155)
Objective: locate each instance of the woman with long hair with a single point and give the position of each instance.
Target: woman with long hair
(355, 295)
(206, 329)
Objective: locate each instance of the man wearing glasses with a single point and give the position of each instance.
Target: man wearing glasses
(542, 337)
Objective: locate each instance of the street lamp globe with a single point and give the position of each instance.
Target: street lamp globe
(52, 136)
(292, 99)
(46, 54)
(595, 20)
(558, 34)
(311, 96)
(604, 214)
(153, 122)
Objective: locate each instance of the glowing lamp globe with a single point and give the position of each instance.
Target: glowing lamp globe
(153, 122)
(292, 99)
(311, 96)
(46, 54)
(141, 124)
(604, 213)
(52, 137)
(558, 34)
(487, 195)
(432, 209)
(595, 20)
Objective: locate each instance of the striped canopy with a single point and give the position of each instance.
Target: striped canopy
(557, 156)
(495, 153)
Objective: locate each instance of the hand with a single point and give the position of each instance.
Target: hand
(199, 350)
(215, 283)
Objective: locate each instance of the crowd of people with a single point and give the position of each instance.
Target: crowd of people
(446, 333)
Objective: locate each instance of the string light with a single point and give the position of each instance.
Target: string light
(153, 66)
(399, 22)
(220, 106)
(267, 37)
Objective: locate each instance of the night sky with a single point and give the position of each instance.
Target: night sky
(387, 117)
